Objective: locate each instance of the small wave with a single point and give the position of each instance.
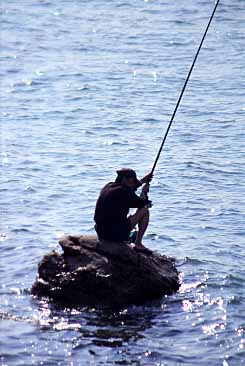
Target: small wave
(83, 88)
(234, 280)
(185, 22)
(160, 237)
(125, 4)
(8, 316)
(55, 195)
(21, 230)
(66, 326)
(109, 143)
(189, 261)
(236, 300)
(153, 120)
(239, 233)
(75, 99)
(211, 228)
(30, 189)
(13, 71)
(3, 237)
(187, 287)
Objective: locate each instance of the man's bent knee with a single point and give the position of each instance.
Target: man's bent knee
(141, 212)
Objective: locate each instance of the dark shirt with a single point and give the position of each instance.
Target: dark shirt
(112, 209)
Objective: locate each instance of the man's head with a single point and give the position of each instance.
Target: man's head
(128, 178)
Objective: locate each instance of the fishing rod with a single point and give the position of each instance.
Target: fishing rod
(183, 89)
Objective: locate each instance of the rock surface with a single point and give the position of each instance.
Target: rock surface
(101, 274)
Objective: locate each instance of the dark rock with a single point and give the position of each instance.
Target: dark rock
(102, 273)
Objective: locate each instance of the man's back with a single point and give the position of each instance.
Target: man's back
(111, 211)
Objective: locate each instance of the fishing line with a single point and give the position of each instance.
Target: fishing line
(183, 89)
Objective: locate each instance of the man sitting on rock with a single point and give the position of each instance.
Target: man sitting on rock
(113, 204)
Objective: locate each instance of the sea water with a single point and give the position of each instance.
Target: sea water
(88, 87)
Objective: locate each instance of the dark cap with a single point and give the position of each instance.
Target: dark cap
(128, 173)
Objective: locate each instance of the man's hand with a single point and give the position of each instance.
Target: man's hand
(147, 179)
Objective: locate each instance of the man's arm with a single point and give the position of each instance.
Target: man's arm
(139, 202)
(147, 179)
(144, 195)
(135, 201)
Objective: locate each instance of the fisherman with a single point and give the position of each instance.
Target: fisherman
(111, 213)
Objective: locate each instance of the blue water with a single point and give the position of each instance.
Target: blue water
(88, 87)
